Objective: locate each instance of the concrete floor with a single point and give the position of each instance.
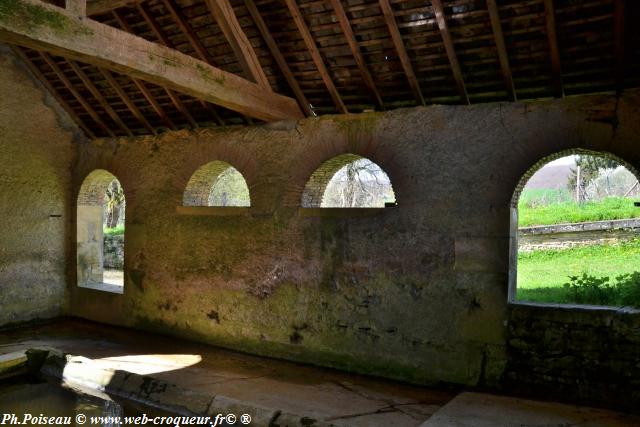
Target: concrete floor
(342, 398)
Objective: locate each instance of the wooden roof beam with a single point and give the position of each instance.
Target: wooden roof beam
(98, 7)
(619, 36)
(494, 15)
(345, 25)
(98, 96)
(310, 43)
(63, 103)
(163, 39)
(177, 15)
(277, 55)
(41, 26)
(74, 91)
(396, 37)
(140, 84)
(224, 15)
(127, 101)
(77, 7)
(550, 21)
(441, 20)
(142, 87)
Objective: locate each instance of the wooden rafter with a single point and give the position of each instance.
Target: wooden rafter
(91, 42)
(38, 74)
(177, 15)
(277, 55)
(142, 87)
(99, 97)
(98, 7)
(153, 25)
(343, 20)
(441, 19)
(175, 99)
(550, 22)
(140, 84)
(396, 37)
(501, 47)
(619, 36)
(309, 42)
(224, 15)
(194, 41)
(74, 91)
(127, 101)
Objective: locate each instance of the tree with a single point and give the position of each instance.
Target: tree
(360, 183)
(588, 168)
(114, 202)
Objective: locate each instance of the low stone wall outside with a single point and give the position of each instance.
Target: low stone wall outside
(563, 236)
(114, 251)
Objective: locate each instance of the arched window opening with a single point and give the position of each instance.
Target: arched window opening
(100, 233)
(576, 232)
(217, 184)
(348, 181)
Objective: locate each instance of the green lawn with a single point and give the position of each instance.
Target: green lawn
(541, 274)
(532, 210)
(114, 231)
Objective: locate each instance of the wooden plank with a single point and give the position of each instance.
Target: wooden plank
(619, 36)
(441, 20)
(63, 103)
(224, 15)
(153, 25)
(396, 37)
(277, 55)
(127, 101)
(175, 99)
(550, 22)
(74, 91)
(98, 7)
(310, 43)
(154, 103)
(140, 84)
(177, 15)
(345, 25)
(41, 26)
(494, 15)
(77, 7)
(99, 97)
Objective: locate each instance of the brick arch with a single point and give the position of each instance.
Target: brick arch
(199, 186)
(564, 153)
(94, 187)
(314, 190)
(89, 232)
(513, 232)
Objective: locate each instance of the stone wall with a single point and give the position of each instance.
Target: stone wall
(416, 292)
(36, 158)
(582, 354)
(113, 251)
(563, 236)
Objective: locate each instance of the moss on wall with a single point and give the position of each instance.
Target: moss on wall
(36, 154)
(418, 292)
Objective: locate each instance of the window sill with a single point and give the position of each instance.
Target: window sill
(340, 212)
(575, 307)
(212, 211)
(104, 287)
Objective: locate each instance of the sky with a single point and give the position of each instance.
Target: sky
(568, 160)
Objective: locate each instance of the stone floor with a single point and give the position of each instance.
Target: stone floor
(341, 398)
(320, 393)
